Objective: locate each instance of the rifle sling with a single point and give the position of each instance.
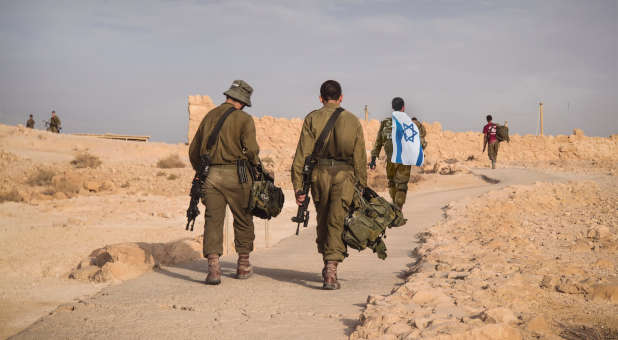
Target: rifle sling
(212, 139)
(319, 144)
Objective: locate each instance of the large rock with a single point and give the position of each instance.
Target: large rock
(124, 261)
(198, 108)
(116, 262)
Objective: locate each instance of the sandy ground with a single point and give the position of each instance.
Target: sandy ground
(282, 300)
(56, 217)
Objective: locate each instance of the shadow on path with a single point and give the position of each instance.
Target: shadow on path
(228, 269)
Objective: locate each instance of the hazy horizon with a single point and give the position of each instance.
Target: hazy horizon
(128, 67)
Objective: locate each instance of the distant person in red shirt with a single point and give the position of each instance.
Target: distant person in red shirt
(489, 137)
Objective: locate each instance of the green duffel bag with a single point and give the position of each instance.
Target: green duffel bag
(266, 199)
(502, 133)
(369, 217)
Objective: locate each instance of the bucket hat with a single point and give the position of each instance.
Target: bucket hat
(240, 91)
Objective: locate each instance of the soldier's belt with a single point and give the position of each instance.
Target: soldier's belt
(233, 165)
(328, 162)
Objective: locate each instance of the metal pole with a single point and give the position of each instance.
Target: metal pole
(541, 116)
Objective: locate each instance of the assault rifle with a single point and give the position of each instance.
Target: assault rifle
(302, 215)
(48, 126)
(196, 191)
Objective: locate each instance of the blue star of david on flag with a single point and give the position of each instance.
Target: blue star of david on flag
(408, 132)
(407, 149)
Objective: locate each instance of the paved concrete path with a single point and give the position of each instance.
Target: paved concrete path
(283, 299)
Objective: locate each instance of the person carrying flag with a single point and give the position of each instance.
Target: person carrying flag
(401, 139)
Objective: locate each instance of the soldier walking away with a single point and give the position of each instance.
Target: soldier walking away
(227, 183)
(398, 175)
(54, 123)
(489, 137)
(340, 164)
(30, 123)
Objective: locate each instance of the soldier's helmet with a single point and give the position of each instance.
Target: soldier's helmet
(240, 91)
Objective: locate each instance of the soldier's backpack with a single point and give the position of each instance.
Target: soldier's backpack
(266, 199)
(368, 218)
(386, 131)
(502, 133)
(422, 132)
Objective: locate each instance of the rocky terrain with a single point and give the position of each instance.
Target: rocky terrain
(80, 212)
(526, 262)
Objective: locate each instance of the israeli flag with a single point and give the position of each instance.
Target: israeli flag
(406, 139)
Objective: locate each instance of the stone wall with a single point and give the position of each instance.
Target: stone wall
(198, 108)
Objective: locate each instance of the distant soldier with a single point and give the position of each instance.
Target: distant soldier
(54, 123)
(30, 123)
(340, 165)
(225, 185)
(398, 175)
(489, 137)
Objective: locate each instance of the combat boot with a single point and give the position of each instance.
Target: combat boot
(243, 267)
(493, 164)
(214, 270)
(330, 276)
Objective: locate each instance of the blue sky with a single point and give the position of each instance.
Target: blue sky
(128, 66)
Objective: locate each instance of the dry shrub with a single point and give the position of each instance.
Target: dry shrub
(86, 160)
(160, 173)
(41, 177)
(470, 158)
(172, 177)
(169, 162)
(11, 196)
(69, 183)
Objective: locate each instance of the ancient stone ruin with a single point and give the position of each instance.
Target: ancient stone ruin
(198, 108)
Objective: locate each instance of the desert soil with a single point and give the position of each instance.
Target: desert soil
(282, 300)
(61, 217)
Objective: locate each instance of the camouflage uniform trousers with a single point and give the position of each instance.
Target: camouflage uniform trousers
(492, 151)
(398, 176)
(332, 190)
(222, 188)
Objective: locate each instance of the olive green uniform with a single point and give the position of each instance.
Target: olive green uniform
(341, 164)
(398, 175)
(492, 150)
(236, 141)
(54, 124)
(30, 123)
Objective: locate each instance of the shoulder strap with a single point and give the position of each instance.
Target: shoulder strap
(319, 144)
(212, 139)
